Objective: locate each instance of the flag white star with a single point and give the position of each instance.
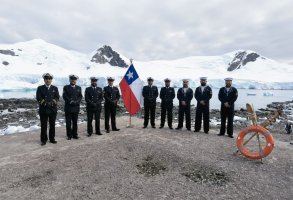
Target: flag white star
(129, 75)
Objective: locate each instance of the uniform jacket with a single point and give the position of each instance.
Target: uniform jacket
(47, 99)
(204, 95)
(111, 95)
(150, 94)
(230, 96)
(167, 95)
(72, 97)
(93, 97)
(187, 97)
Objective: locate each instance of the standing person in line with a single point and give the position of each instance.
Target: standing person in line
(112, 96)
(72, 96)
(150, 94)
(203, 94)
(184, 95)
(93, 97)
(227, 95)
(167, 94)
(47, 96)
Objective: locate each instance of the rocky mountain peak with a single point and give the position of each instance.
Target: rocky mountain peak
(241, 58)
(106, 54)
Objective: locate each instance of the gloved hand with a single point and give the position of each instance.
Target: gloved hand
(74, 103)
(202, 103)
(54, 102)
(42, 102)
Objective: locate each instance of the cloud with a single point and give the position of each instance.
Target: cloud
(148, 29)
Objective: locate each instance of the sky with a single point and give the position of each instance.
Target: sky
(154, 30)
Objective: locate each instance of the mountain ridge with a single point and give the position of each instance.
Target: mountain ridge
(22, 63)
(106, 50)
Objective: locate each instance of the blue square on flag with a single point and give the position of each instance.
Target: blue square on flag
(130, 75)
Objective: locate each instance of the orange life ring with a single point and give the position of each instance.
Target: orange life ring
(270, 143)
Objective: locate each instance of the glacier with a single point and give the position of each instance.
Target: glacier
(31, 59)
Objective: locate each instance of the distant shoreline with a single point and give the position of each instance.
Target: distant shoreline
(35, 89)
(23, 113)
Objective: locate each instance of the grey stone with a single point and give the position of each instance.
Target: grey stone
(241, 59)
(106, 54)
(7, 52)
(5, 63)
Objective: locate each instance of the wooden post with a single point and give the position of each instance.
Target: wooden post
(269, 121)
(254, 121)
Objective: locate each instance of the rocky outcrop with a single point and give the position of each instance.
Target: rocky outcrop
(7, 52)
(241, 59)
(106, 54)
(5, 63)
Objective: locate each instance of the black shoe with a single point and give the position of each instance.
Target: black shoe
(171, 127)
(189, 129)
(107, 131)
(99, 133)
(68, 138)
(196, 131)
(116, 129)
(153, 126)
(75, 137)
(53, 142)
(144, 127)
(89, 135)
(206, 132)
(43, 143)
(178, 128)
(161, 127)
(221, 134)
(230, 136)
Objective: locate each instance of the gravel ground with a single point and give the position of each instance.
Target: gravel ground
(137, 163)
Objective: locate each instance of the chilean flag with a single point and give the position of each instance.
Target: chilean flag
(131, 89)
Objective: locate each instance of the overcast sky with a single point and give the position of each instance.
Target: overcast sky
(148, 29)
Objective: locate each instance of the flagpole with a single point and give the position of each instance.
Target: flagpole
(129, 122)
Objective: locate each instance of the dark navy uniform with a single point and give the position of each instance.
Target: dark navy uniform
(72, 96)
(186, 97)
(47, 98)
(202, 111)
(150, 94)
(112, 96)
(227, 95)
(93, 97)
(167, 94)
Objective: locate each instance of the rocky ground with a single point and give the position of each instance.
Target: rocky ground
(23, 112)
(137, 163)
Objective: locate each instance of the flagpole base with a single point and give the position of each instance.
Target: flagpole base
(130, 126)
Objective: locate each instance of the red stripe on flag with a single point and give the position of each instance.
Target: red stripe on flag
(129, 98)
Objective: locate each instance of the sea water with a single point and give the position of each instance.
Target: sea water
(259, 98)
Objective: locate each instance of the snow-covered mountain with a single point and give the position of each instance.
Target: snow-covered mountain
(22, 64)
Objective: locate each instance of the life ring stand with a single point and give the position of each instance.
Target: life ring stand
(270, 143)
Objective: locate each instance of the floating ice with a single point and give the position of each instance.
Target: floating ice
(268, 94)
